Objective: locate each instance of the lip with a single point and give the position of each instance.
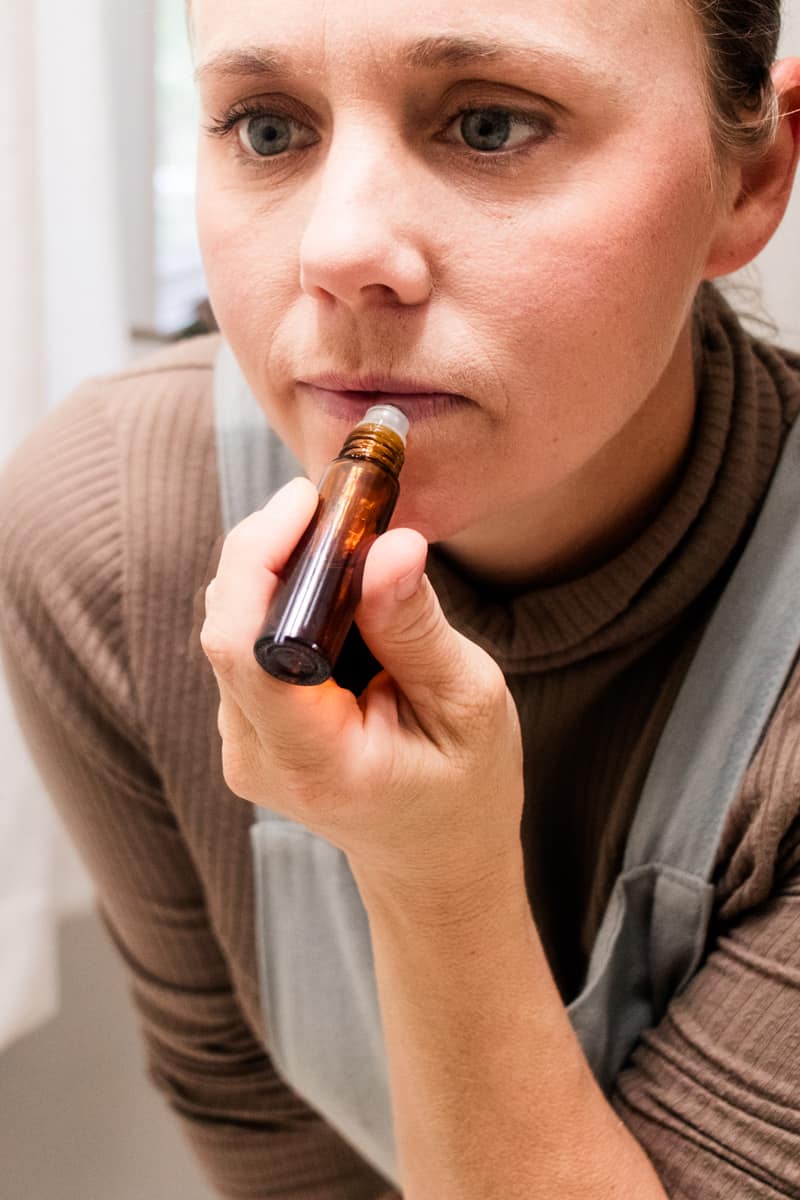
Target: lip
(333, 382)
(417, 406)
(351, 404)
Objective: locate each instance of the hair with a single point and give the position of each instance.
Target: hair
(740, 44)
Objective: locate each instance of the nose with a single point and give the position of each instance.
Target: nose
(362, 244)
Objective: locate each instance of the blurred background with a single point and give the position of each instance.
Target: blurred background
(99, 265)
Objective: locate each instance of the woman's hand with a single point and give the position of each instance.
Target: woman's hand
(418, 780)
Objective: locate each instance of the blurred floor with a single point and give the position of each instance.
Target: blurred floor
(78, 1118)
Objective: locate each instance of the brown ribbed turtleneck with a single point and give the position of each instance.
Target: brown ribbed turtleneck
(110, 530)
(594, 664)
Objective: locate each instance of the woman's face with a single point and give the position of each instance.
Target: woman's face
(509, 201)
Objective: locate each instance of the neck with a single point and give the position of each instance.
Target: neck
(629, 481)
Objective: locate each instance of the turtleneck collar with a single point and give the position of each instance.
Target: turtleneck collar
(748, 393)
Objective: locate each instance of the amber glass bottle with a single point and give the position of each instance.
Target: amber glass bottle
(314, 603)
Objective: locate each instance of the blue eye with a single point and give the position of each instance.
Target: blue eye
(488, 130)
(261, 132)
(267, 135)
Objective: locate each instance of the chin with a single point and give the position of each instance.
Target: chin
(428, 519)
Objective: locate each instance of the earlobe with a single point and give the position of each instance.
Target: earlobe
(764, 184)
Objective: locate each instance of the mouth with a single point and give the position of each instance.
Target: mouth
(350, 405)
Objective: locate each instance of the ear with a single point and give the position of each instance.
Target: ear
(760, 190)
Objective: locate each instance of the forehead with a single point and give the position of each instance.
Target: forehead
(626, 39)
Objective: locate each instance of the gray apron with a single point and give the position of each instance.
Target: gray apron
(316, 972)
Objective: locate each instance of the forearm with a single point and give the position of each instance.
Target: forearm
(492, 1096)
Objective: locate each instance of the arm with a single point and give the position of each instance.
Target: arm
(710, 1095)
(70, 681)
(419, 781)
(712, 1092)
(253, 1137)
(492, 1096)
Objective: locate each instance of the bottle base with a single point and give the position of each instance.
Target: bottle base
(293, 662)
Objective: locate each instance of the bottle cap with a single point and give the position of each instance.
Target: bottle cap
(388, 416)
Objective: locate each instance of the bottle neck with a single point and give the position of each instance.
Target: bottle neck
(378, 444)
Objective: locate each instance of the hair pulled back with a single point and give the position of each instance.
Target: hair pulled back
(741, 44)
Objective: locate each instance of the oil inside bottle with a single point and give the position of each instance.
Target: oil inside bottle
(312, 610)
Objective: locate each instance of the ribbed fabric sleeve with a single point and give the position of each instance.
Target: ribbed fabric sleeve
(106, 738)
(712, 1092)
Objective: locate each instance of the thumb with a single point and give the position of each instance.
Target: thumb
(440, 672)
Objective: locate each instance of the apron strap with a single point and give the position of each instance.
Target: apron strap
(730, 691)
(653, 935)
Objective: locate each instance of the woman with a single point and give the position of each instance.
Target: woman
(512, 218)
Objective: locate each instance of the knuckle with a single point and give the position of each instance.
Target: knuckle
(495, 687)
(217, 648)
(299, 765)
(426, 630)
(238, 767)
(236, 779)
(484, 705)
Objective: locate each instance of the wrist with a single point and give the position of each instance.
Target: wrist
(443, 901)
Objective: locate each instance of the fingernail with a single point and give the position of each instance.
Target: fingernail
(408, 585)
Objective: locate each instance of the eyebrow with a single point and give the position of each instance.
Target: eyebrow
(427, 53)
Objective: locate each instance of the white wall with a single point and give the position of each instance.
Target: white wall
(772, 283)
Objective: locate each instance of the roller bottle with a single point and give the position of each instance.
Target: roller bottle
(316, 597)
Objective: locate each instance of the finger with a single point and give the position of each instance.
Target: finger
(446, 678)
(237, 601)
(253, 555)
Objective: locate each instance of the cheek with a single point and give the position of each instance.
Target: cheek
(250, 269)
(581, 324)
(600, 284)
